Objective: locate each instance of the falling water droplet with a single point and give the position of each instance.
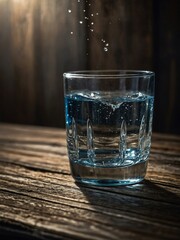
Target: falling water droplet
(69, 11)
(92, 23)
(92, 30)
(105, 49)
(92, 14)
(97, 13)
(107, 44)
(87, 39)
(84, 10)
(71, 33)
(81, 22)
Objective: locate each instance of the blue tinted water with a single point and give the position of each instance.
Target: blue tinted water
(108, 129)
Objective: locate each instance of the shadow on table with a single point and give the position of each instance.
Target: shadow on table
(143, 199)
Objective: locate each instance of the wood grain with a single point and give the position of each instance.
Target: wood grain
(127, 27)
(38, 197)
(166, 62)
(36, 47)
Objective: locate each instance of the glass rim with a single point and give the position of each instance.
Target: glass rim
(108, 74)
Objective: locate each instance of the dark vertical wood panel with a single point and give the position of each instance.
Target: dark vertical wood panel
(126, 26)
(48, 58)
(7, 111)
(36, 47)
(23, 59)
(167, 64)
(60, 51)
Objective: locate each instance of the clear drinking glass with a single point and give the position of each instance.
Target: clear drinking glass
(109, 125)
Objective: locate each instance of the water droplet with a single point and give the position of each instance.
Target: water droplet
(89, 4)
(107, 44)
(92, 14)
(81, 22)
(92, 23)
(71, 33)
(103, 40)
(87, 39)
(92, 30)
(69, 11)
(79, 0)
(105, 49)
(84, 10)
(97, 13)
(86, 18)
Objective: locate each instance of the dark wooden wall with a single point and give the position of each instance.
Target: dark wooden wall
(36, 47)
(166, 62)
(40, 39)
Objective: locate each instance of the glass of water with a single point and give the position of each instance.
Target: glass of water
(109, 125)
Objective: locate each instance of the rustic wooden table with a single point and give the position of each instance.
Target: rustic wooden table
(39, 199)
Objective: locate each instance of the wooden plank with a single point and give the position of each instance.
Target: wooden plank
(126, 27)
(38, 194)
(6, 65)
(22, 28)
(166, 64)
(36, 47)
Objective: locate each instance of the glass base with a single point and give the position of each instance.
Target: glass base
(113, 176)
(110, 183)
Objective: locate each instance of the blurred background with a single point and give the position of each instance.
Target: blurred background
(41, 39)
